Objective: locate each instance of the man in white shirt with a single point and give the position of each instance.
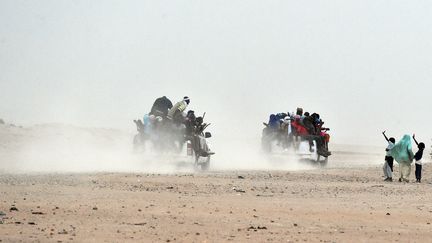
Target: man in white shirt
(388, 164)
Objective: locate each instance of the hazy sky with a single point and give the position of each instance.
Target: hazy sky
(364, 65)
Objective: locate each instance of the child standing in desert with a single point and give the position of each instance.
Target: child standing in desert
(388, 164)
(418, 159)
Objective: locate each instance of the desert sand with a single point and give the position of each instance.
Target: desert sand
(339, 203)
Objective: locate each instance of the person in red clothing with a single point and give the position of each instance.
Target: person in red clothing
(309, 132)
(299, 129)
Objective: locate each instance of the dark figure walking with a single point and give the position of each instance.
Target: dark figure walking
(418, 159)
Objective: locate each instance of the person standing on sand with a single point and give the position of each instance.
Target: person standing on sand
(402, 153)
(418, 159)
(388, 164)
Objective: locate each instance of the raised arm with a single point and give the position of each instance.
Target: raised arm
(415, 139)
(386, 138)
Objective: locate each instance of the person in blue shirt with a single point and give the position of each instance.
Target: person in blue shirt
(274, 122)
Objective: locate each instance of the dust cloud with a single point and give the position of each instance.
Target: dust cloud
(60, 148)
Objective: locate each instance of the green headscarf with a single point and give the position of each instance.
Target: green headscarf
(402, 151)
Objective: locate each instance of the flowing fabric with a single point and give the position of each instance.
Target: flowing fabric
(402, 151)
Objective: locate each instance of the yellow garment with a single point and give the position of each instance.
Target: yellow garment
(178, 107)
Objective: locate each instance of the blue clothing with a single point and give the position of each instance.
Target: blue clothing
(147, 123)
(273, 122)
(146, 119)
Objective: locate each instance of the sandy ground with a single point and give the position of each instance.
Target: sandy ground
(328, 205)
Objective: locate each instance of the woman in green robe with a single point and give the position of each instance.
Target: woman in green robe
(402, 153)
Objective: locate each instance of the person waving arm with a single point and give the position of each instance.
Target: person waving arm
(386, 138)
(413, 136)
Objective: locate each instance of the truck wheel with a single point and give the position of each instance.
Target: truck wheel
(266, 145)
(324, 162)
(206, 165)
(138, 145)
